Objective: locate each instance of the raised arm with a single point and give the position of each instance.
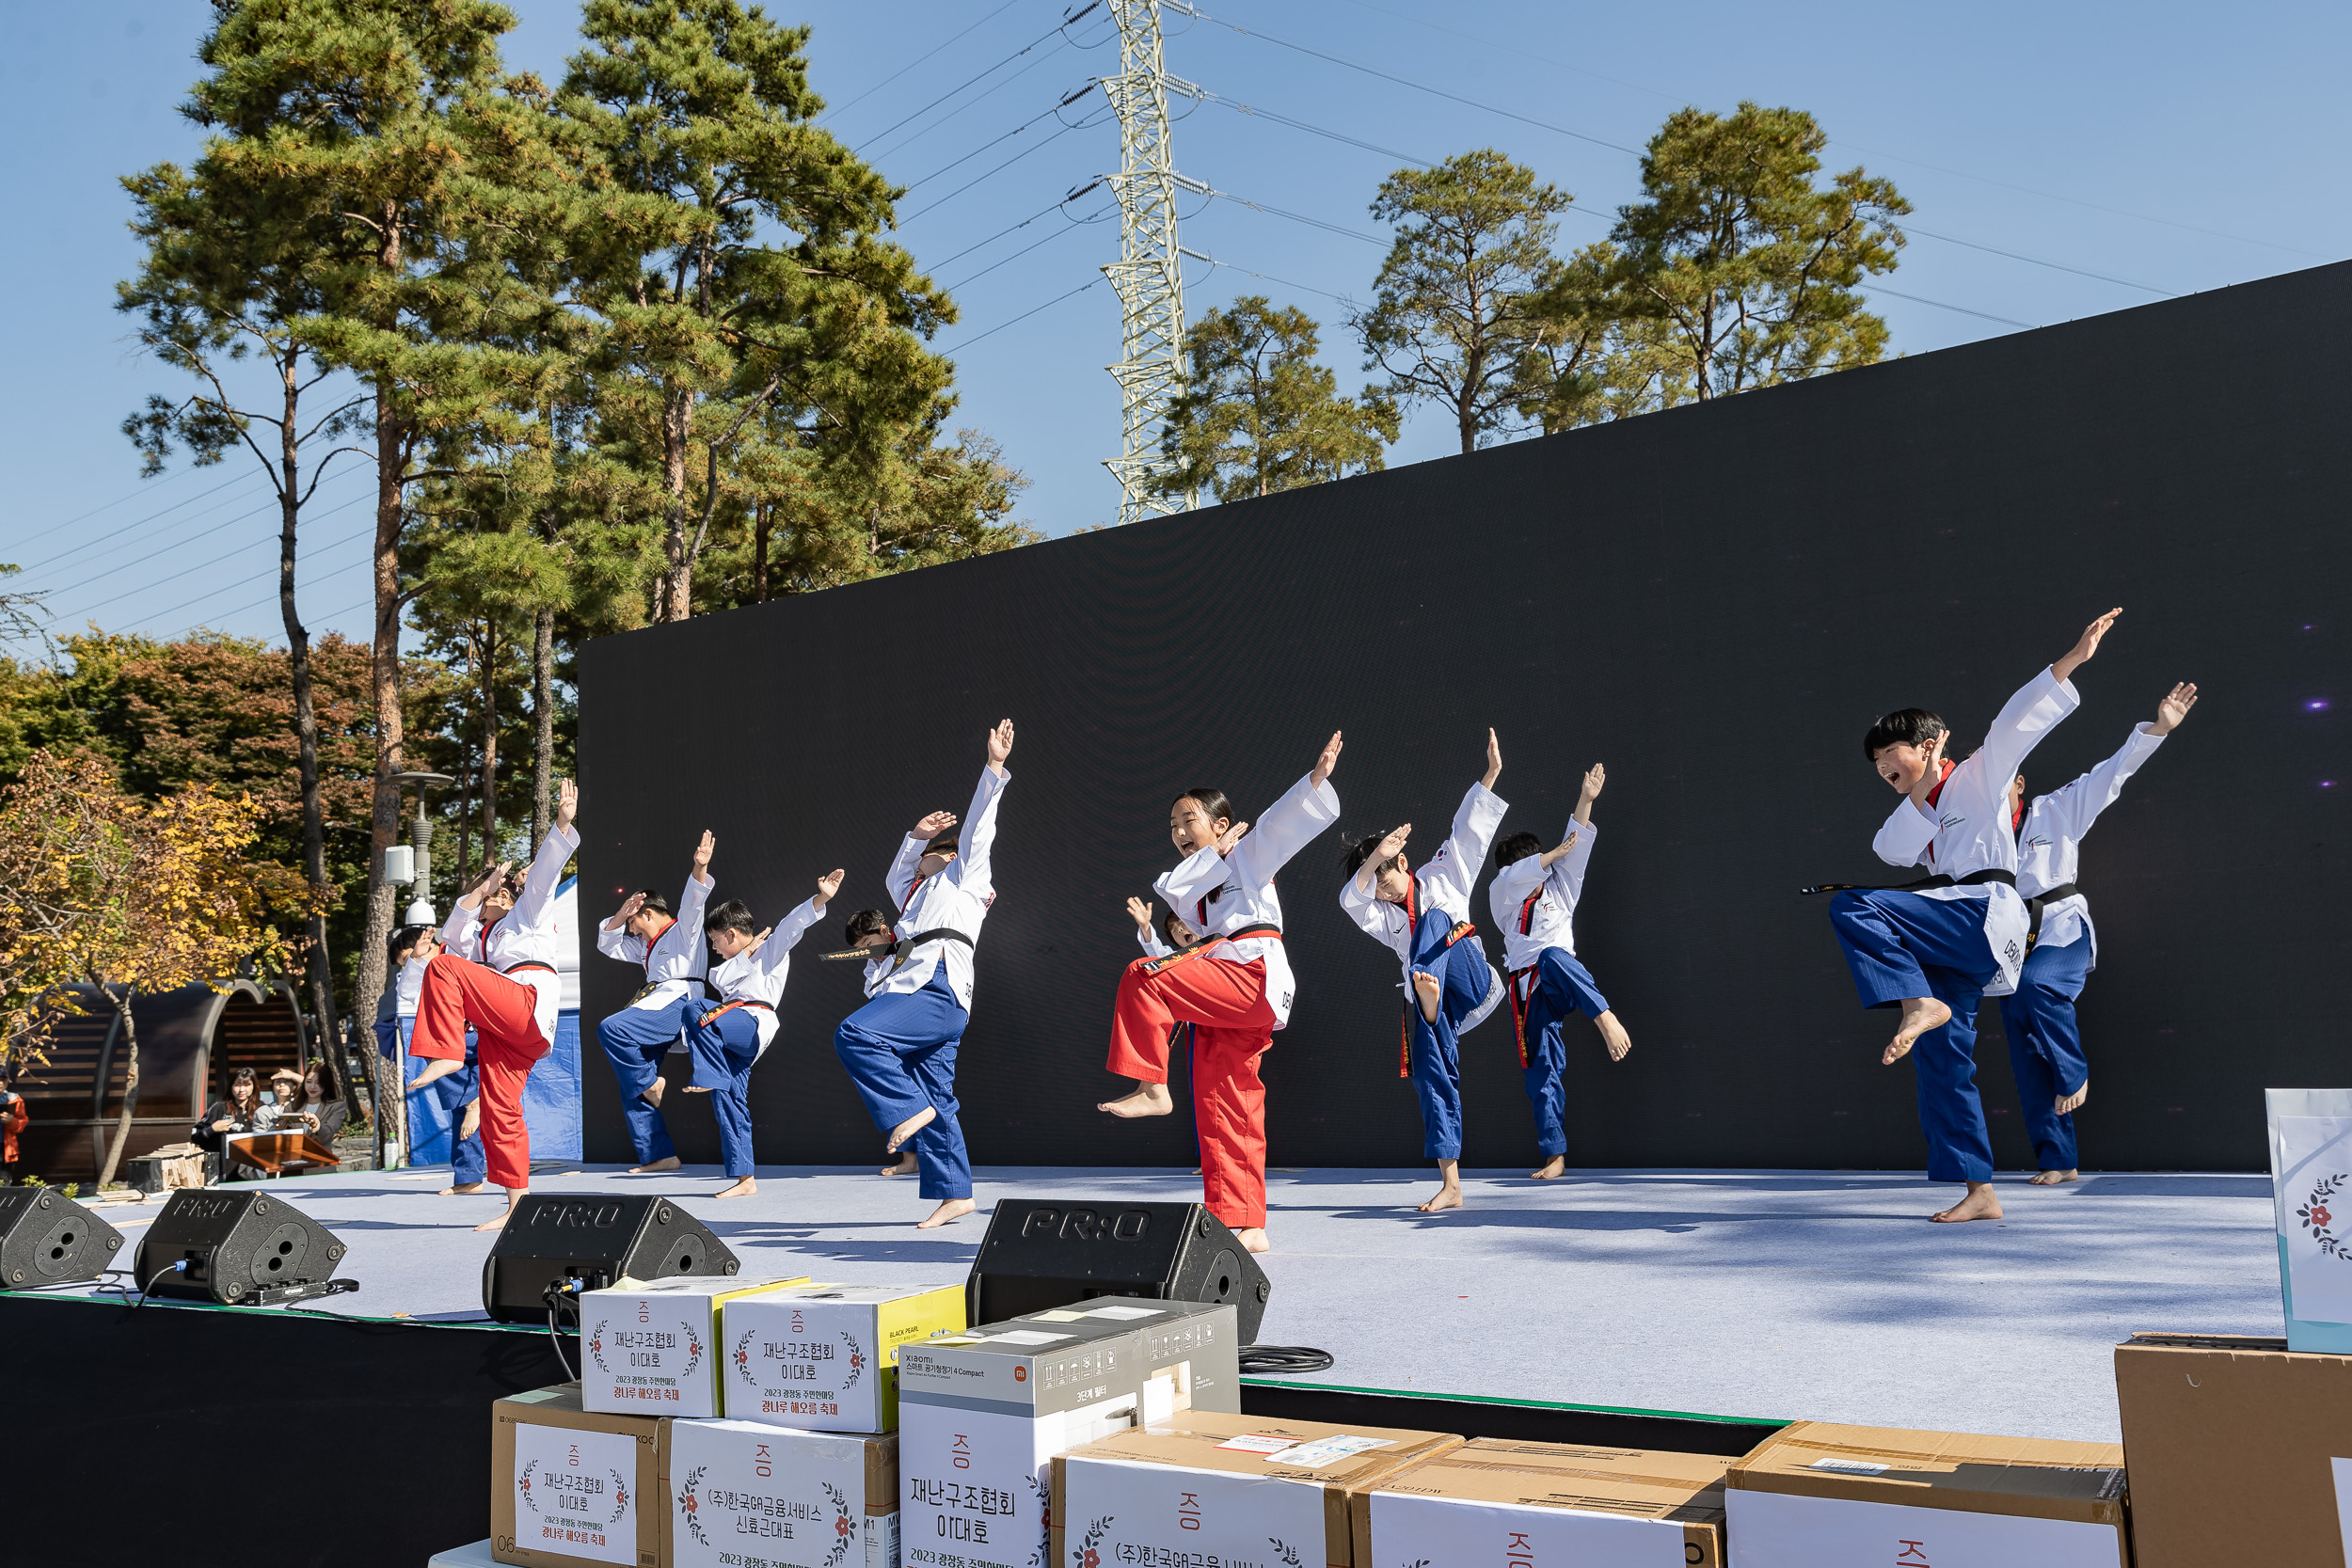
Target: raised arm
(901, 878)
(2080, 802)
(1477, 820)
(787, 933)
(698, 879)
(1566, 861)
(1305, 810)
(546, 868)
(1904, 836)
(973, 870)
(1358, 894)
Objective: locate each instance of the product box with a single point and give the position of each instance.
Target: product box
(1208, 1488)
(1817, 1496)
(1191, 1348)
(571, 1486)
(2240, 1450)
(1493, 1501)
(653, 1347)
(980, 1416)
(2310, 1188)
(744, 1494)
(826, 1356)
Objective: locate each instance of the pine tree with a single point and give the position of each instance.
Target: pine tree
(1257, 413)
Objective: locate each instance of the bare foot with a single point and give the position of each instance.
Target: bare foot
(905, 1167)
(947, 1214)
(652, 1095)
(651, 1166)
(1613, 1035)
(514, 1199)
(1549, 1170)
(1920, 1014)
(1449, 1196)
(2053, 1177)
(1978, 1205)
(1429, 988)
(907, 1129)
(1149, 1099)
(744, 1187)
(2074, 1102)
(1253, 1240)
(461, 1192)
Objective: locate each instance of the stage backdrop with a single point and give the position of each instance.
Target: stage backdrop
(1715, 602)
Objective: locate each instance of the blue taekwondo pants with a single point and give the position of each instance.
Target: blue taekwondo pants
(1902, 945)
(635, 1040)
(724, 1048)
(1435, 1050)
(1557, 989)
(2045, 1045)
(901, 1051)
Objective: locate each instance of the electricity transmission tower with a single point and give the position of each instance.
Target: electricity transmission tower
(1148, 275)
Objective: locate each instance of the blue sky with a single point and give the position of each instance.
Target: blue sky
(2115, 154)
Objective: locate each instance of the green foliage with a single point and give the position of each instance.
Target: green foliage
(1745, 265)
(1258, 415)
(1584, 363)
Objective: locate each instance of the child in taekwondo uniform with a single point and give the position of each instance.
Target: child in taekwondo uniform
(1236, 985)
(2045, 1045)
(901, 1047)
(671, 953)
(1449, 987)
(728, 1041)
(1937, 948)
(509, 994)
(1534, 900)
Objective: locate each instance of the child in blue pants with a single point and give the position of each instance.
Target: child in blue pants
(670, 949)
(1532, 899)
(1937, 947)
(901, 1047)
(1423, 917)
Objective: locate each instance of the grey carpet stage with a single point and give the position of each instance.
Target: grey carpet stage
(1715, 601)
(1760, 1296)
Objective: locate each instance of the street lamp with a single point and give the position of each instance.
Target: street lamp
(418, 852)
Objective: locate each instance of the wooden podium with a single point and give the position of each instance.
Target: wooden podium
(281, 1152)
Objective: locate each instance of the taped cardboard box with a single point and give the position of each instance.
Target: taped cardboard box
(826, 1356)
(571, 1486)
(1191, 1348)
(981, 1415)
(653, 1346)
(1818, 1496)
(1494, 1501)
(1207, 1487)
(2240, 1450)
(745, 1495)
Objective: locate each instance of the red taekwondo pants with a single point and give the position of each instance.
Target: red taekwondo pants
(505, 1014)
(1233, 1026)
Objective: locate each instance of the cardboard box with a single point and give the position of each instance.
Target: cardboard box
(571, 1486)
(1212, 1488)
(1493, 1501)
(745, 1495)
(2240, 1450)
(1817, 1496)
(826, 1356)
(1191, 1348)
(981, 1415)
(654, 1346)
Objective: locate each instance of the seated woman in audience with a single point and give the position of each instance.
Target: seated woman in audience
(321, 1117)
(233, 1113)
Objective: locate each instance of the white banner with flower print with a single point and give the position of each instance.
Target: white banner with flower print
(2312, 1176)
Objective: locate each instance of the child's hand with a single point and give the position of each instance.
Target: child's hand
(1494, 760)
(2174, 707)
(2084, 645)
(1232, 836)
(1000, 744)
(1140, 912)
(702, 854)
(566, 802)
(1392, 845)
(827, 885)
(1323, 764)
(935, 824)
(1594, 777)
(629, 906)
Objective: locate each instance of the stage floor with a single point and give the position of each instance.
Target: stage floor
(1772, 1295)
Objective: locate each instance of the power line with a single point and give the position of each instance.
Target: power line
(1034, 147)
(133, 593)
(2061, 266)
(1066, 99)
(1024, 223)
(1318, 130)
(942, 98)
(1264, 276)
(1049, 239)
(915, 136)
(244, 479)
(1021, 317)
(1301, 217)
(877, 86)
(1870, 287)
(184, 539)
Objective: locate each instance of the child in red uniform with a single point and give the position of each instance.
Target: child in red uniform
(1234, 987)
(509, 992)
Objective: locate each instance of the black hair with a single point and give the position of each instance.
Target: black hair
(1211, 800)
(1361, 850)
(1905, 726)
(1169, 920)
(653, 901)
(1514, 848)
(943, 844)
(866, 923)
(403, 939)
(733, 915)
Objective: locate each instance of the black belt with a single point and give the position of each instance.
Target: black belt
(527, 963)
(2039, 901)
(1974, 879)
(896, 952)
(694, 982)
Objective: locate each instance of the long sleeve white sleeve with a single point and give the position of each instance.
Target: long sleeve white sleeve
(2081, 802)
(899, 879)
(1568, 870)
(1453, 869)
(546, 870)
(975, 841)
(1903, 838)
(1285, 828)
(777, 949)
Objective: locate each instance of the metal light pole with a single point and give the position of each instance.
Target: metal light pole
(418, 873)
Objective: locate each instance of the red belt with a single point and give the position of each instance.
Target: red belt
(1405, 1025)
(1247, 933)
(721, 1011)
(527, 963)
(1518, 1010)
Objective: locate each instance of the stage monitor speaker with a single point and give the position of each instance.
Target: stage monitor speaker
(240, 1247)
(48, 1238)
(595, 1241)
(1037, 1255)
